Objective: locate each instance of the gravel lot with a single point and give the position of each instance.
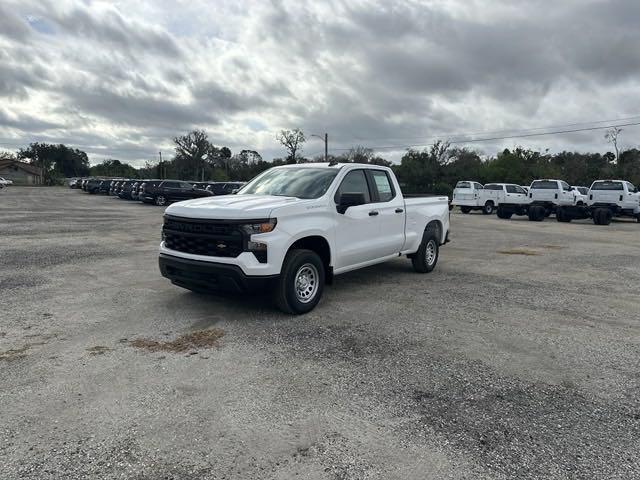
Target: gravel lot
(519, 357)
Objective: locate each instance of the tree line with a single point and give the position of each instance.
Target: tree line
(435, 169)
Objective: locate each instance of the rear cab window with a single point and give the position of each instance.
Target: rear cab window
(544, 185)
(464, 185)
(607, 185)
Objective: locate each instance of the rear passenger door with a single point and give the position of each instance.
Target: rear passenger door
(388, 205)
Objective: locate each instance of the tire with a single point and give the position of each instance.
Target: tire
(488, 208)
(602, 216)
(562, 215)
(160, 200)
(504, 214)
(301, 282)
(465, 210)
(426, 258)
(536, 213)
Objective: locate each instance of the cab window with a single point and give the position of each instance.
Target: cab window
(565, 186)
(515, 189)
(383, 185)
(354, 182)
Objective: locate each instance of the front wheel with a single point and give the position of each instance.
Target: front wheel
(426, 258)
(301, 282)
(160, 200)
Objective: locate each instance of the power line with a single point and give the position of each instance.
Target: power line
(506, 137)
(514, 130)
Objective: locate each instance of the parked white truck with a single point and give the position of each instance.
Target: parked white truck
(468, 196)
(606, 199)
(543, 198)
(293, 228)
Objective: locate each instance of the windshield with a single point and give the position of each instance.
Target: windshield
(292, 182)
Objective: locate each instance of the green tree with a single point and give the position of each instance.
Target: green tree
(56, 161)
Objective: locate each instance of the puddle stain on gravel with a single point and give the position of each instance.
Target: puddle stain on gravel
(98, 350)
(200, 339)
(14, 353)
(519, 251)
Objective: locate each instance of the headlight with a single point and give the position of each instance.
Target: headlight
(266, 227)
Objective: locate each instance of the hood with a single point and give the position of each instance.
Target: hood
(232, 207)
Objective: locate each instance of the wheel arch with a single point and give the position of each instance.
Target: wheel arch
(319, 245)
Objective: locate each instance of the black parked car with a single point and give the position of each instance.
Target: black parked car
(104, 186)
(225, 188)
(93, 185)
(162, 192)
(125, 189)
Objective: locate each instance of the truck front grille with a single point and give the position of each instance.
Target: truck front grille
(211, 238)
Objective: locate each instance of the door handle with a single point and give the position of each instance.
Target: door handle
(399, 210)
(373, 213)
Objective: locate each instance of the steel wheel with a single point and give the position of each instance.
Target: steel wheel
(306, 283)
(430, 253)
(160, 200)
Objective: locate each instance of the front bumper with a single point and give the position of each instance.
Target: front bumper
(223, 277)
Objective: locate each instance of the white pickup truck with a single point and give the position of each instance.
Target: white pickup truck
(543, 198)
(294, 227)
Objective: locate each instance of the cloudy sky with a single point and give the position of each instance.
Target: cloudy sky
(120, 79)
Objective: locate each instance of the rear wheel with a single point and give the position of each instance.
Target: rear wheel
(301, 282)
(160, 200)
(504, 213)
(426, 258)
(536, 213)
(562, 215)
(602, 216)
(488, 208)
(465, 209)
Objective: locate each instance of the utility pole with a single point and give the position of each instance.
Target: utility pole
(326, 147)
(325, 139)
(161, 175)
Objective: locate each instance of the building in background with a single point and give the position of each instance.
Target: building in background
(20, 173)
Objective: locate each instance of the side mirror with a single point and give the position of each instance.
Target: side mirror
(347, 200)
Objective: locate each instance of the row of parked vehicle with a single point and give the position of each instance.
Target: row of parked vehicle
(157, 191)
(601, 202)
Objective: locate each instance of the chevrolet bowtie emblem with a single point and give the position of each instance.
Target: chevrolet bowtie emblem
(221, 245)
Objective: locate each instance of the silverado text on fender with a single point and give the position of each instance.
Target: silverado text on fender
(294, 227)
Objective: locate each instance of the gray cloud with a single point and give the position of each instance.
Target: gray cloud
(123, 80)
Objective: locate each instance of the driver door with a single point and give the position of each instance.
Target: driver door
(357, 229)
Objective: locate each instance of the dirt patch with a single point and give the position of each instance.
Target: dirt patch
(190, 341)
(14, 353)
(519, 251)
(553, 247)
(98, 350)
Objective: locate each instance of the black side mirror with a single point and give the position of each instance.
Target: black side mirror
(347, 200)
